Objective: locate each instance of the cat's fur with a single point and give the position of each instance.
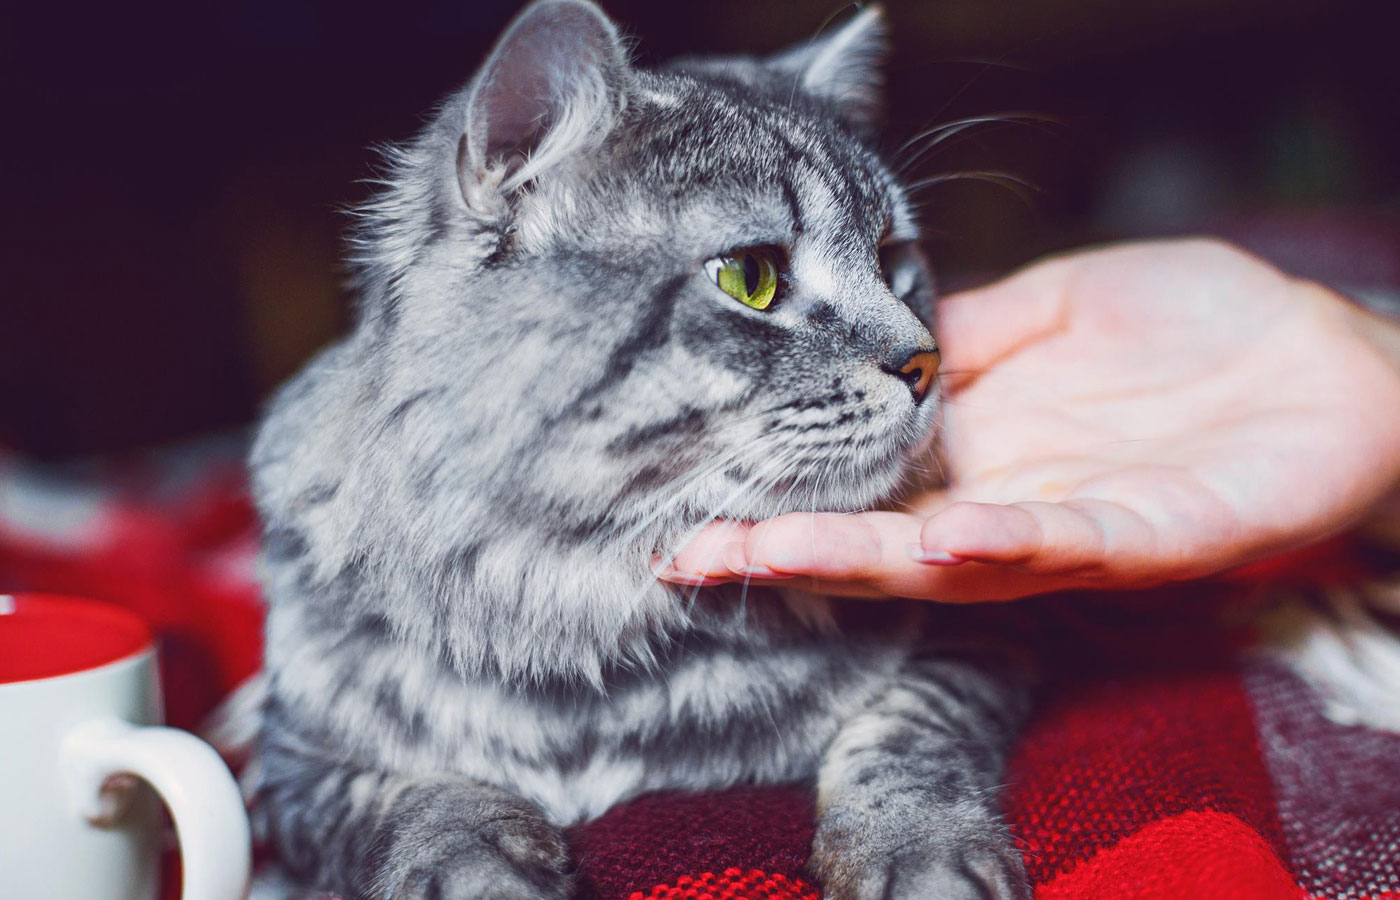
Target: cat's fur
(466, 647)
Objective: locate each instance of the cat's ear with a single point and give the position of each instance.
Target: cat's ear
(843, 65)
(551, 88)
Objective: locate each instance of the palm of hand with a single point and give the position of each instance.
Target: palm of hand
(1183, 408)
(1115, 418)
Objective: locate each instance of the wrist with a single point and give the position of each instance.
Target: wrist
(1381, 334)
(1379, 331)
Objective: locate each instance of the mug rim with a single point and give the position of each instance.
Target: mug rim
(74, 635)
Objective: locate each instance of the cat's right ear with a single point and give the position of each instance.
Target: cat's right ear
(843, 65)
(550, 89)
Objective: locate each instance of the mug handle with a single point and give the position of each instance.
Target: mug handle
(198, 789)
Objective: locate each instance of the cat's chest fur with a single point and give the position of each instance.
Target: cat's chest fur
(713, 710)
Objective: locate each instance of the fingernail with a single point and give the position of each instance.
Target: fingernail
(762, 572)
(933, 557)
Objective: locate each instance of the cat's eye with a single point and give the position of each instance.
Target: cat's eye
(749, 276)
(893, 269)
(906, 274)
(903, 269)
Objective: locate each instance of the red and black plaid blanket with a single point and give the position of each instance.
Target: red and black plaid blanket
(1169, 761)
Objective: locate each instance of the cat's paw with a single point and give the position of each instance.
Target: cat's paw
(924, 860)
(512, 858)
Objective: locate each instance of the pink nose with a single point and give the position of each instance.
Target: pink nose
(918, 372)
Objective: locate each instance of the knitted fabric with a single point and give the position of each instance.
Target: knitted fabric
(1159, 766)
(1105, 759)
(1337, 789)
(657, 839)
(731, 884)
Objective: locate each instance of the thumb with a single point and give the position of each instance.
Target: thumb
(978, 329)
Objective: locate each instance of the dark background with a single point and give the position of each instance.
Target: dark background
(175, 178)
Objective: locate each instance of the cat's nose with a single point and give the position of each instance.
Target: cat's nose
(917, 371)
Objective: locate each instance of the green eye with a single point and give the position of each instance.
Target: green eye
(749, 276)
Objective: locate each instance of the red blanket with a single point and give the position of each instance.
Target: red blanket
(1163, 765)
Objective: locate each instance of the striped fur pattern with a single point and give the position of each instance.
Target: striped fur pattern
(462, 499)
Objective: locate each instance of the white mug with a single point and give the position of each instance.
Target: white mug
(80, 751)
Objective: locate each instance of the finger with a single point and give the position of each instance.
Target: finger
(849, 555)
(704, 555)
(822, 545)
(979, 328)
(853, 589)
(866, 555)
(1084, 538)
(862, 555)
(970, 583)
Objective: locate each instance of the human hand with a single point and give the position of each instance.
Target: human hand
(1114, 418)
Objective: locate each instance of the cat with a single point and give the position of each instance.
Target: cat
(599, 306)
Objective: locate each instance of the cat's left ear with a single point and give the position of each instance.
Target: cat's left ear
(551, 89)
(844, 66)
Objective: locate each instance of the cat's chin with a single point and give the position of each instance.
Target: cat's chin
(839, 493)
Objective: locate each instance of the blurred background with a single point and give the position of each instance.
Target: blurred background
(176, 176)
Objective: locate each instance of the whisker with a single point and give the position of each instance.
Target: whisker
(1011, 182)
(1016, 185)
(758, 478)
(948, 130)
(987, 65)
(783, 473)
(679, 487)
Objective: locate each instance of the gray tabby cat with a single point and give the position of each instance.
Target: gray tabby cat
(600, 306)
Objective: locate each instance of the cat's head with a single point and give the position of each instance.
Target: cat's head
(692, 288)
(603, 304)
